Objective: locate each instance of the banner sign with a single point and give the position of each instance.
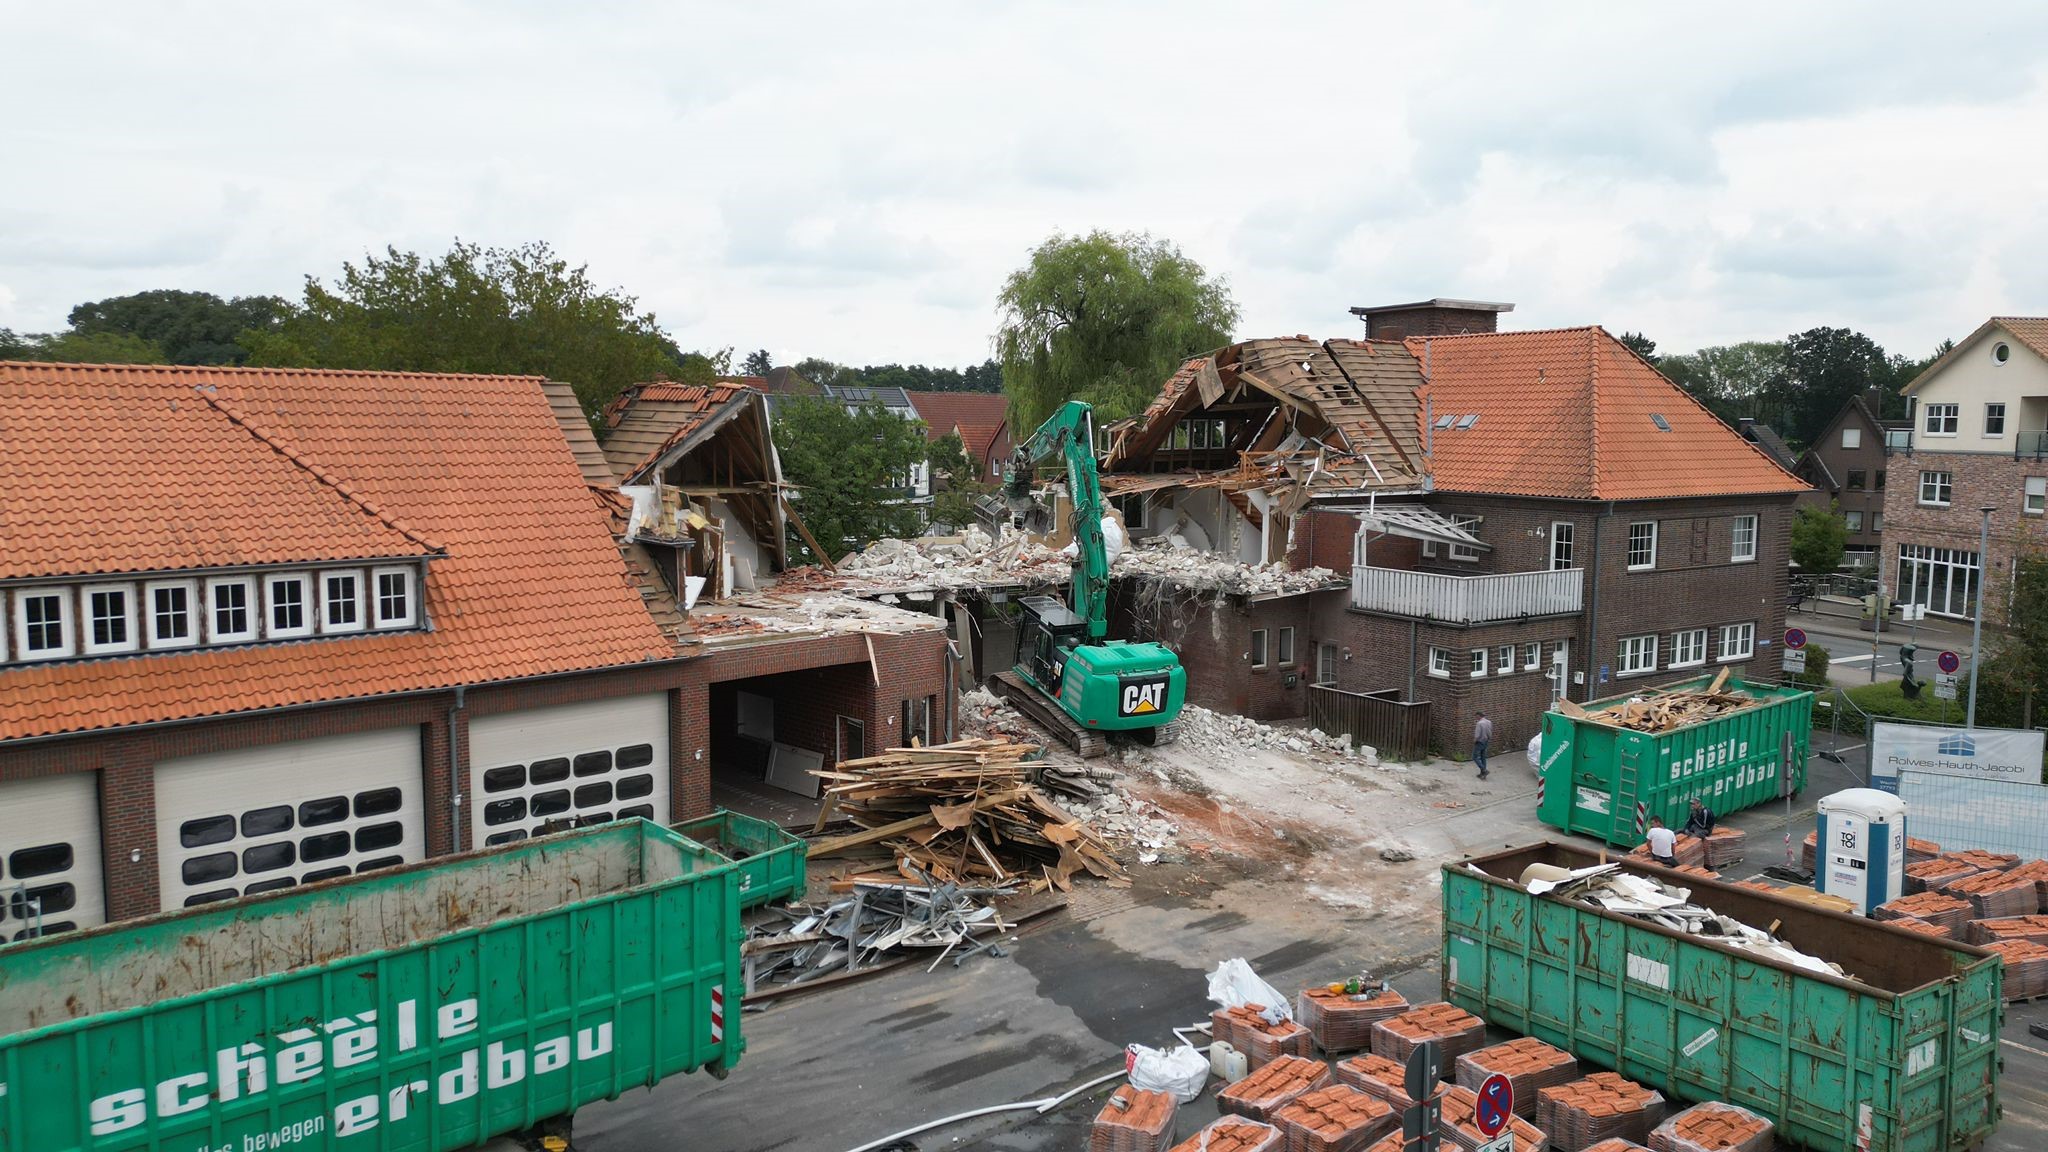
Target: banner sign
(1973, 754)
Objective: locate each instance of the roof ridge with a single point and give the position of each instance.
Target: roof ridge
(1593, 335)
(284, 448)
(1484, 335)
(254, 370)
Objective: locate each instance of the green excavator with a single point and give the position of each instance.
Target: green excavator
(1069, 678)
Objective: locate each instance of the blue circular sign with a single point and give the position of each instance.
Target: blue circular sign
(1948, 662)
(1795, 638)
(1496, 1104)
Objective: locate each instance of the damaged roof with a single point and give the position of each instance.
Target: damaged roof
(644, 422)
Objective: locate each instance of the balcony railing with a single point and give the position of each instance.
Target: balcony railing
(2031, 445)
(1467, 599)
(1898, 440)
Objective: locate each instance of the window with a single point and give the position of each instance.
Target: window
(1439, 661)
(1133, 509)
(1745, 539)
(1471, 525)
(1943, 579)
(1853, 520)
(341, 602)
(1467, 420)
(2035, 502)
(1638, 655)
(1478, 658)
(1738, 641)
(1689, 648)
(231, 610)
(1504, 660)
(393, 590)
(1856, 476)
(43, 622)
(170, 606)
(1199, 434)
(1562, 534)
(1662, 424)
(1446, 421)
(1852, 437)
(110, 618)
(1876, 522)
(1941, 419)
(1935, 488)
(288, 608)
(2001, 352)
(1994, 419)
(1879, 486)
(1286, 652)
(1326, 663)
(1642, 545)
(1532, 657)
(1258, 647)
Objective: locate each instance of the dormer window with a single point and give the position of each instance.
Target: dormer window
(289, 617)
(231, 602)
(42, 621)
(394, 598)
(341, 602)
(171, 607)
(109, 619)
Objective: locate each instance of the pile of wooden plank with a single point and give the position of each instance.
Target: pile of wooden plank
(1658, 710)
(961, 812)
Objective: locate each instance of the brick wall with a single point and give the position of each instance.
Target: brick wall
(1431, 322)
(1979, 480)
(1213, 638)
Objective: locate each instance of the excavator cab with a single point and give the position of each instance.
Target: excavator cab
(1048, 632)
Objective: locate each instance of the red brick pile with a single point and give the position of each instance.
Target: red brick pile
(1936, 874)
(1725, 847)
(1528, 1063)
(1133, 1120)
(1984, 861)
(2026, 968)
(1341, 1022)
(1272, 1086)
(1377, 1076)
(1918, 850)
(1997, 894)
(1807, 849)
(1600, 1107)
(2037, 871)
(1455, 1030)
(1461, 1123)
(1245, 1029)
(1696, 870)
(1713, 1128)
(1688, 850)
(1233, 1134)
(2034, 928)
(1937, 908)
(1915, 924)
(1617, 1145)
(1338, 1118)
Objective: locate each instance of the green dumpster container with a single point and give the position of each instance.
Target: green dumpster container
(1602, 780)
(1902, 1057)
(771, 861)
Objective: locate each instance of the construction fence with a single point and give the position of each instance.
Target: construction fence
(1398, 728)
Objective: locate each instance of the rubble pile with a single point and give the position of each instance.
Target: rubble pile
(1643, 897)
(970, 560)
(880, 916)
(1660, 710)
(1193, 568)
(1199, 725)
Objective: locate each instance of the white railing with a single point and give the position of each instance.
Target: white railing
(1467, 599)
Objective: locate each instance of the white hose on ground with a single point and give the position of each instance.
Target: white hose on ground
(1043, 1105)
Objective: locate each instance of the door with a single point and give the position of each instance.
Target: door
(50, 872)
(262, 819)
(1561, 670)
(551, 767)
(1326, 663)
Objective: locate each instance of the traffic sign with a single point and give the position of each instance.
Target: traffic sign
(1496, 1103)
(1795, 638)
(1948, 662)
(1425, 1069)
(1793, 660)
(1506, 1143)
(1944, 686)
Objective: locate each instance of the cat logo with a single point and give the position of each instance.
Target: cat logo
(1144, 697)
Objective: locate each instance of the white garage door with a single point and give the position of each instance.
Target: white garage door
(260, 819)
(603, 760)
(50, 855)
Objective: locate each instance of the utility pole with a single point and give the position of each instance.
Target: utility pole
(1876, 622)
(1977, 626)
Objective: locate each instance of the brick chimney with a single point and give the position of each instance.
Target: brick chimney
(1438, 317)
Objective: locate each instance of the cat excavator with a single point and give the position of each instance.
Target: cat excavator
(1069, 678)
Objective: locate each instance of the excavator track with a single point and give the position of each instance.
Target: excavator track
(1047, 714)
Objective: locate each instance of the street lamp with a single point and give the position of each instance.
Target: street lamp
(1977, 626)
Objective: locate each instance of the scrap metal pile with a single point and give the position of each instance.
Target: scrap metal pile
(877, 917)
(1656, 711)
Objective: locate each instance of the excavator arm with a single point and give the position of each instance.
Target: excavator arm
(1069, 433)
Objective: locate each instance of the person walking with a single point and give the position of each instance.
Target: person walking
(1663, 843)
(1482, 735)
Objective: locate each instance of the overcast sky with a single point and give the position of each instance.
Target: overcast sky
(855, 180)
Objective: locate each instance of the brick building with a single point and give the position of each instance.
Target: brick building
(1977, 439)
(1849, 466)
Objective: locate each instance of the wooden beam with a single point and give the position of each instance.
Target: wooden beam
(824, 558)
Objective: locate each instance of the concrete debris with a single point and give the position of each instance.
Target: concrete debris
(827, 613)
(1212, 728)
(1396, 855)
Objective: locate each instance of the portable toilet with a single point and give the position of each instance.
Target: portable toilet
(1860, 847)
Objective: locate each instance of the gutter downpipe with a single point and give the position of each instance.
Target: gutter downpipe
(1593, 611)
(454, 776)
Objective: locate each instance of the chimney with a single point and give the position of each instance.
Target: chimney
(1743, 424)
(1438, 317)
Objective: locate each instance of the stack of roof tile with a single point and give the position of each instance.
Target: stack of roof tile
(1984, 861)
(1455, 1030)
(2033, 928)
(2026, 968)
(1807, 848)
(1725, 846)
(1342, 1022)
(1272, 1086)
(1915, 924)
(1245, 1029)
(1686, 850)
(1995, 894)
(1713, 1127)
(1395, 1143)
(1133, 1120)
(1600, 1107)
(1338, 1118)
(2037, 871)
(1697, 870)
(1617, 1145)
(1377, 1076)
(1461, 1124)
(1233, 1134)
(1528, 1063)
(1938, 908)
(1918, 850)
(1936, 874)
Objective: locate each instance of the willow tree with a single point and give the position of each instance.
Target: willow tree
(1104, 318)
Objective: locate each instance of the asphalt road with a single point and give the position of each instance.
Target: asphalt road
(1849, 654)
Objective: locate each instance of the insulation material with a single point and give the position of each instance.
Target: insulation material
(1528, 1063)
(1342, 1021)
(2026, 967)
(1233, 1134)
(1725, 847)
(1461, 1124)
(1604, 1106)
(1337, 1118)
(1714, 1128)
(1997, 894)
(2033, 928)
(1938, 908)
(1133, 1120)
(1246, 1029)
(1272, 1086)
(1936, 874)
(1377, 1076)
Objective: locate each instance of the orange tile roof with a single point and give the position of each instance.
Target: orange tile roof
(2029, 330)
(944, 412)
(1567, 412)
(531, 584)
(646, 420)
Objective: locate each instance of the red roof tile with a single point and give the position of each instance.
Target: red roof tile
(646, 420)
(531, 583)
(1568, 412)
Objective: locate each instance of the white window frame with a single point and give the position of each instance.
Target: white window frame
(376, 597)
(67, 620)
(1933, 416)
(1998, 415)
(1326, 658)
(1478, 658)
(2034, 496)
(1259, 651)
(1532, 656)
(1504, 660)
(252, 615)
(1736, 555)
(1459, 552)
(1944, 486)
(6, 629)
(1643, 649)
(1877, 522)
(1852, 519)
(192, 608)
(1852, 437)
(1283, 651)
(131, 632)
(327, 625)
(1570, 535)
(1731, 634)
(1630, 554)
(1440, 663)
(1697, 648)
(309, 606)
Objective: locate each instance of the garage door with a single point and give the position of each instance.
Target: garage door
(50, 855)
(602, 760)
(260, 819)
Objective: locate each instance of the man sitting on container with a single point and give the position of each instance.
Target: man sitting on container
(1663, 843)
(1700, 821)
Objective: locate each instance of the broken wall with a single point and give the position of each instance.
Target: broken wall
(1213, 637)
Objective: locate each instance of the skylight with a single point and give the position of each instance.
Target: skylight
(1468, 421)
(1662, 424)
(1446, 421)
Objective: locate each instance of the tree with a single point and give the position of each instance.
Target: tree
(847, 468)
(1106, 318)
(517, 310)
(956, 482)
(2021, 665)
(190, 327)
(79, 348)
(1733, 380)
(757, 363)
(1824, 368)
(821, 372)
(1818, 538)
(1641, 345)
